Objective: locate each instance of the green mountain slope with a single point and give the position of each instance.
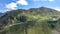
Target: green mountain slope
(32, 21)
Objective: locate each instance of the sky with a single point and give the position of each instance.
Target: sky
(7, 5)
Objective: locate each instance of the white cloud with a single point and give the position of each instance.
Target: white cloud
(11, 6)
(22, 2)
(51, 0)
(56, 8)
(38, 0)
(4, 10)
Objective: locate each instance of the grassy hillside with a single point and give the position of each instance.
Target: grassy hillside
(32, 21)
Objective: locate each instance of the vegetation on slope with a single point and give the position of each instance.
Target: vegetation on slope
(33, 21)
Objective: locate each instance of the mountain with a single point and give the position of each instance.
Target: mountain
(32, 19)
(46, 10)
(1, 14)
(42, 11)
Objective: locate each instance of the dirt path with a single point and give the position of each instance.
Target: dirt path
(55, 32)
